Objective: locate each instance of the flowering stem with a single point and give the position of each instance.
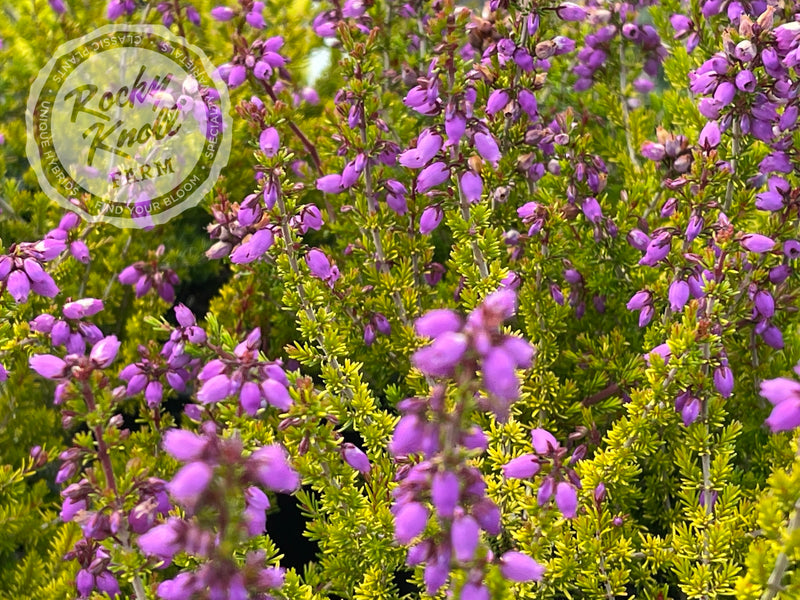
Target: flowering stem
(102, 449)
(626, 117)
(705, 458)
(734, 154)
(310, 148)
(138, 588)
(604, 573)
(476, 251)
(380, 257)
(287, 242)
(178, 19)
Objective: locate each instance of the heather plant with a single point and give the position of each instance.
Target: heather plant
(490, 301)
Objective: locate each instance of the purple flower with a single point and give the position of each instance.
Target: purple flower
(407, 437)
(471, 186)
(487, 513)
(318, 263)
(84, 582)
(757, 243)
(454, 127)
(436, 571)
(430, 219)
(48, 366)
(222, 13)
(80, 251)
(516, 566)
(80, 309)
(183, 587)
(690, 411)
(154, 393)
(190, 482)
(569, 11)
(591, 209)
(764, 303)
(431, 176)
(499, 376)
(410, 521)
(184, 445)
(69, 508)
(522, 467)
(653, 151)
(772, 337)
(254, 248)
(723, 380)
(356, 458)
(639, 300)
(486, 146)
(785, 416)
(215, 389)
(497, 101)
(436, 322)
(255, 513)
(269, 141)
(428, 145)
(657, 250)
(528, 103)
(543, 441)
(105, 351)
(330, 184)
(678, 295)
(19, 286)
(694, 227)
(439, 358)
(162, 540)
(445, 493)
(105, 581)
(465, 537)
(779, 390)
(566, 499)
(236, 76)
(270, 467)
(474, 591)
(250, 398)
(710, 135)
(276, 394)
(638, 239)
(254, 18)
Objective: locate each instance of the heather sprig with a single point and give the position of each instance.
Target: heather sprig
(440, 428)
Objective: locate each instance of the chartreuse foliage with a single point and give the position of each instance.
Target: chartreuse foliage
(684, 493)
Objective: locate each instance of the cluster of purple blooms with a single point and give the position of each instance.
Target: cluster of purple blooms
(147, 275)
(256, 382)
(561, 482)
(609, 25)
(72, 332)
(262, 59)
(75, 367)
(245, 231)
(325, 23)
(436, 430)
(214, 468)
(94, 573)
(22, 269)
(173, 363)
